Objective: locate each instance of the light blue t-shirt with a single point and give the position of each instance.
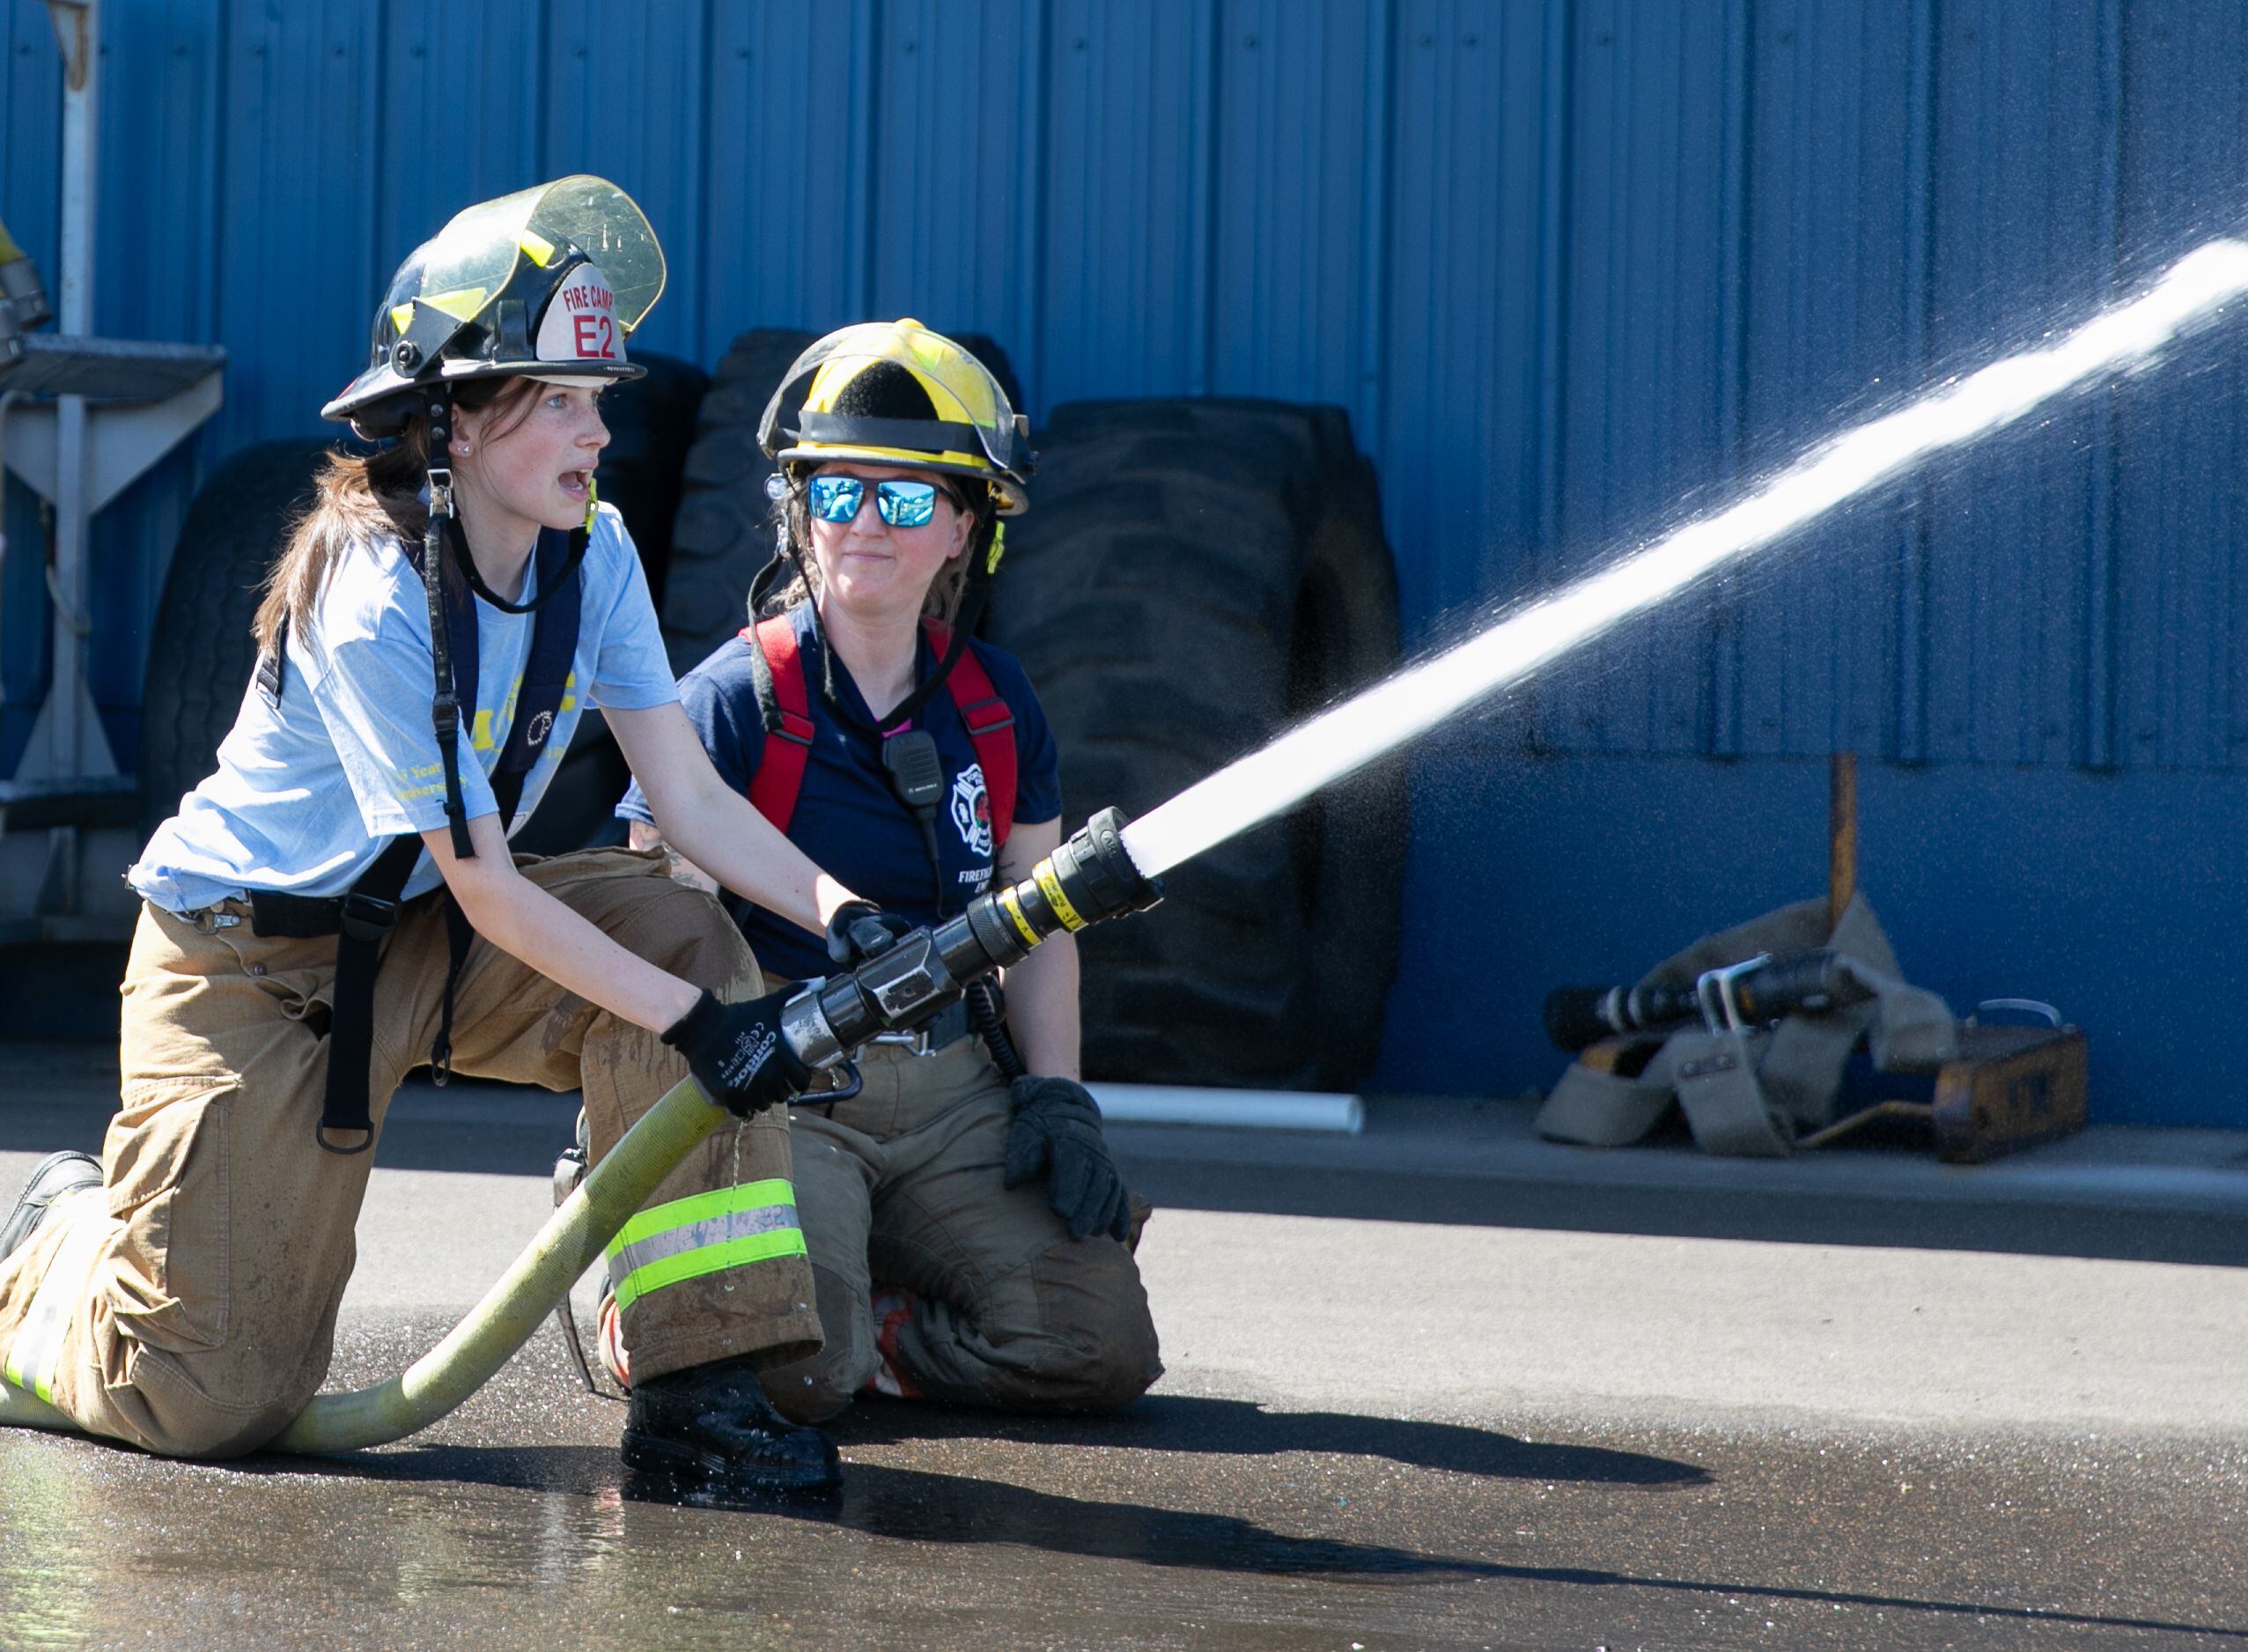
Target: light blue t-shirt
(306, 795)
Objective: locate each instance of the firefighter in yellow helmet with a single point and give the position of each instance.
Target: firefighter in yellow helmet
(968, 1233)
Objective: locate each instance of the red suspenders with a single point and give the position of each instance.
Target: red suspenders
(785, 703)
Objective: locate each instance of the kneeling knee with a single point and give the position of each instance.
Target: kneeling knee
(1103, 1352)
(685, 931)
(179, 1421)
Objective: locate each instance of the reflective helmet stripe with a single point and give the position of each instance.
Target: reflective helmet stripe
(925, 436)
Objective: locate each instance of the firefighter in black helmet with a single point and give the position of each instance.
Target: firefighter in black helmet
(337, 904)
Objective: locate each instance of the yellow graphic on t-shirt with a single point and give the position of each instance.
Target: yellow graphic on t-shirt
(416, 780)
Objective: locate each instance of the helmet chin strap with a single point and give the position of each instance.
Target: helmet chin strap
(459, 539)
(981, 561)
(444, 529)
(444, 707)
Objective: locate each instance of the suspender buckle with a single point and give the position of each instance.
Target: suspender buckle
(987, 717)
(366, 919)
(440, 491)
(365, 1132)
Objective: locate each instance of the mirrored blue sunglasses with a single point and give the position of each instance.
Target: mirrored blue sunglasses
(899, 503)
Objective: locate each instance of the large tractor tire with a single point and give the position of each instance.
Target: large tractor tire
(1192, 578)
(200, 653)
(724, 531)
(651, 423)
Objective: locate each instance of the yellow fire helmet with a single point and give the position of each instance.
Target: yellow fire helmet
(894, 393)
(546, 284)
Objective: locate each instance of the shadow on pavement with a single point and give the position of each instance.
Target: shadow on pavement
(914, 1506)
(1232, 1428)
(909, 1505)
(1781, 1214)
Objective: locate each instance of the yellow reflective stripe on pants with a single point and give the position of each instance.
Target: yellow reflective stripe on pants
(687, 1238)
(32, 1356)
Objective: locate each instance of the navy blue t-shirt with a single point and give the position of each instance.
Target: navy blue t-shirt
(847, 817)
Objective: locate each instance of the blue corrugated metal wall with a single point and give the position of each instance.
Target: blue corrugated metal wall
(1576, 269)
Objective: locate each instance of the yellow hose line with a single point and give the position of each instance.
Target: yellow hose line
(472, 1354)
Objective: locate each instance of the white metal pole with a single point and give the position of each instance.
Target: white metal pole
(77, 31)
(76, 744)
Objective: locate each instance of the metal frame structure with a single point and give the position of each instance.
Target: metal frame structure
(84, 417)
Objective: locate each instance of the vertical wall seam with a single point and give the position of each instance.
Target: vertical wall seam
(705, 263)
(2099, 750)
(1557, 47)
(1555, 227)
(1377, 129)
(1201, 255)
(214, 192)
(1039, 212)
(1909, 735)
(375, 110)
(1728, 610)
(1031, 212)
(542, 94)
(866, 222)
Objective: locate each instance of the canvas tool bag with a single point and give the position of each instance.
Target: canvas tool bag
(1750, 1090)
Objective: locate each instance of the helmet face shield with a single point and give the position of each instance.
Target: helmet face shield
(477, 251)
(894, 393)
(545, 283)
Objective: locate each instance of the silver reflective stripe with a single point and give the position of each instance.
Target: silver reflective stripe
(38, 1345)
(696, 1235)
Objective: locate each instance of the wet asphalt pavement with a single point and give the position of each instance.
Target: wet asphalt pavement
(1396, 1426)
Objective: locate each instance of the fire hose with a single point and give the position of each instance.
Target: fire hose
(1762, 989)
(1089, 879)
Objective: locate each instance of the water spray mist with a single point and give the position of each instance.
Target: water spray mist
(1336, 742)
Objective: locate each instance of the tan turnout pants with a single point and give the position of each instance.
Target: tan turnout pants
(901, 1185)
(190, 1307)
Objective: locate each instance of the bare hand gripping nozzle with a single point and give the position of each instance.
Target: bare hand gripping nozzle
(1089, 878)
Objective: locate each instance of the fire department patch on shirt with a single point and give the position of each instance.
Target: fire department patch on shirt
(971, 809)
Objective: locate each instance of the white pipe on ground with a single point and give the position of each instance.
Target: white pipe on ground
(1229, 1109)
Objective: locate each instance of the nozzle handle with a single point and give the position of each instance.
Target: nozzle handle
(1086, 879)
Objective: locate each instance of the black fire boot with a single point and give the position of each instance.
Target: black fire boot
(711, 1427)
(56, 1175)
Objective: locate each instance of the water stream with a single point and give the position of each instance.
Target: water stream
(1336, 741)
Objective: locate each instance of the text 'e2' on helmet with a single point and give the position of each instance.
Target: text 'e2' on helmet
(544, 283)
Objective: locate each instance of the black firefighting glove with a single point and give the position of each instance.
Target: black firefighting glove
(860, 930)
(1057, 1129)
(737, 1054)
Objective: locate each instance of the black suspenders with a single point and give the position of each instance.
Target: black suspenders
(363, 918)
